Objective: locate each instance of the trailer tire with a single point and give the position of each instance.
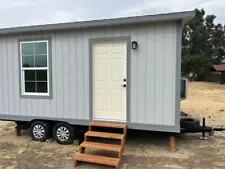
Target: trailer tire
(63, 133)
(189, 123)
(40, 130)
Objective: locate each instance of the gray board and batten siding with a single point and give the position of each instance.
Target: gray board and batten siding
(154, 89)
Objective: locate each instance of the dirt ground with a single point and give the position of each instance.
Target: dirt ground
(204, 100)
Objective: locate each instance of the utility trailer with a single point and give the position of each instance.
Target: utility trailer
(56, 77)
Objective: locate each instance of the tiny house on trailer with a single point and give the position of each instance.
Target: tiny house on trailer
(124, 70)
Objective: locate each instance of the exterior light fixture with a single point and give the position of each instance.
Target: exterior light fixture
(134, 44)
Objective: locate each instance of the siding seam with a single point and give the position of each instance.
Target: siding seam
(50, 105)
(7, 74)
(82, 56)
(146, 46)
(19, 73)
(69, 55)
(62, 75)
(56, 79)
(137, 112)
(164, 26)
(154, 27)
(2, 95)
(13, 108)
(174, 56)
(75, 43)
(83, 48)
(83, 74)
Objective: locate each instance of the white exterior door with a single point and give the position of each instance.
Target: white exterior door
(109, 75)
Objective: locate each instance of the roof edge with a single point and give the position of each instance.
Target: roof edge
(185, 16)
(219, 68)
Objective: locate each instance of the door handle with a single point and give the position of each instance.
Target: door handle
(124, 85)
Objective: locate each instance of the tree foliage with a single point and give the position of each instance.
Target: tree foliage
(197, 64)
(203, 44)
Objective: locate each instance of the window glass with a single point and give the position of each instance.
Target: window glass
(40, 60)
(29, 75)
(30, 87)
(40, 48)
(42, 87)
(28, 61)
(41, 75)
(27, 49)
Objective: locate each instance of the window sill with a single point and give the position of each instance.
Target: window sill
(30, 96)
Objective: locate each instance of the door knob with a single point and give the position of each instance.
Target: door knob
(124, 85)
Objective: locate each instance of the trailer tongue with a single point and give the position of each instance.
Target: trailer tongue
(202, 129)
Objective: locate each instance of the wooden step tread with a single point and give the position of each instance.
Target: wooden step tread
(101, 146)
(104, 135)
(105, 124)
(97, 159)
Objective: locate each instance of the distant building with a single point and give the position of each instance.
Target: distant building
(221, 70)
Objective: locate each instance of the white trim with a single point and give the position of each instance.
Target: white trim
(34, 41)
(36, 94)
(93, 111)
(35, 68)
(37, 54)
(22, 69)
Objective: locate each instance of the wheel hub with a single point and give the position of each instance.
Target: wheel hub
(38, 131)
(63, 133)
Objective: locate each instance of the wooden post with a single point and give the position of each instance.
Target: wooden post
(18, 132)
(80, 141)
(90, 128)
(82, 150)
(75, 163)
(172, 143)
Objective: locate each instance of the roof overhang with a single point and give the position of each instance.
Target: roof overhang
(219, 68)
(184, 16)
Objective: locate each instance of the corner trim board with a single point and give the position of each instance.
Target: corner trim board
(178, 71)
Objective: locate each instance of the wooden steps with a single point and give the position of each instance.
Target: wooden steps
(104, 135)
(111, 125)
(96, 159)
(101, 146)
(81, 157)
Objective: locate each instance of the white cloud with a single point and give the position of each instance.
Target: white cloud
(34, 12)
(12, 4)
(164, 6)
(55, 17)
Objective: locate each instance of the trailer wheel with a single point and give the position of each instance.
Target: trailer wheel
(189, 123)
(63, 133)
(40, 130)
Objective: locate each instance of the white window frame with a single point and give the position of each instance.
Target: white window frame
(22, 70)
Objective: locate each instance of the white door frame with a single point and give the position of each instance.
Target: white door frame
(127, 39)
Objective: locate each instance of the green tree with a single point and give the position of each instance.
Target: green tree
(218, 43)
(197, 64)
(203, 44)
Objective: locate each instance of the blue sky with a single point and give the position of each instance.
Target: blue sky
(34, 12)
